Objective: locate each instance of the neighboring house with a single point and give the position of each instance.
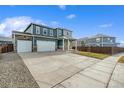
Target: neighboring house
(5, 40)
(100, 40)
(42, 38)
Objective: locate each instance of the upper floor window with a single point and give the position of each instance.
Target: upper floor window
(44, 31)
(59, 32)
(97, 39)
(37, 30)
(67, 33)
(111, 41)
(108, 39)
(51, 32)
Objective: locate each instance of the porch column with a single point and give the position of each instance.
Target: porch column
(68, 45)
(63, 48)
(14, 43)
(76, 45)
(33, 43)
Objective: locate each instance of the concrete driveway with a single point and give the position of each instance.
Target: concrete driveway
(50, 69)
(69, 70)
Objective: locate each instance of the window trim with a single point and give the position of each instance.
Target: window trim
(45, 30)
(59, 34)
(51, 32)
(37, 30)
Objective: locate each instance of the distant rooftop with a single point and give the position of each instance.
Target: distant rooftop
(95, 36)
(100, 35)
(2, 38)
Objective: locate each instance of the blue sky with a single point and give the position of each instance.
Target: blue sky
(82, 20)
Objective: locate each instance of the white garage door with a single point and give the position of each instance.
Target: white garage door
(24, 46)
(43, 46)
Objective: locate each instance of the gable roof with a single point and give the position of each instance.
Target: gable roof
(45, 26)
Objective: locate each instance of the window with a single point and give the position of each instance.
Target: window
(44, 31)
(108, 39)
(37, 30)
(51, 32)
(111, 41)
(97, 39)
(59, 32)
(67, 33)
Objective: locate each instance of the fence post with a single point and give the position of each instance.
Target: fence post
(112, 52)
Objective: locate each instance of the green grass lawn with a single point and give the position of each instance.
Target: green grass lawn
(121, 60)
(94, 55)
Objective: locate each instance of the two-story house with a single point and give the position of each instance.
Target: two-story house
(100, 40)
(42, 38)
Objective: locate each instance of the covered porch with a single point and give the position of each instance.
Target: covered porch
(66, 44)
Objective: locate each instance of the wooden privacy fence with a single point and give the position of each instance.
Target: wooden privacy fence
(6, 48)
(103, 50)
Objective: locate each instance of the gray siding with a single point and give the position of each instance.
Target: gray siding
(32, 29)
(41, 31)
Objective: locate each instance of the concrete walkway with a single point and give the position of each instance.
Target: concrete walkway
(117, 78)
(103, 74)
(74, 71)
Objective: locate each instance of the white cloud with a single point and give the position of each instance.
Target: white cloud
(63, 7)
(16, 23)
(105, 25)
(71, 16)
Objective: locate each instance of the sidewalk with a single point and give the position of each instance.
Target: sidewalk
(103, 74)
(117, 79)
